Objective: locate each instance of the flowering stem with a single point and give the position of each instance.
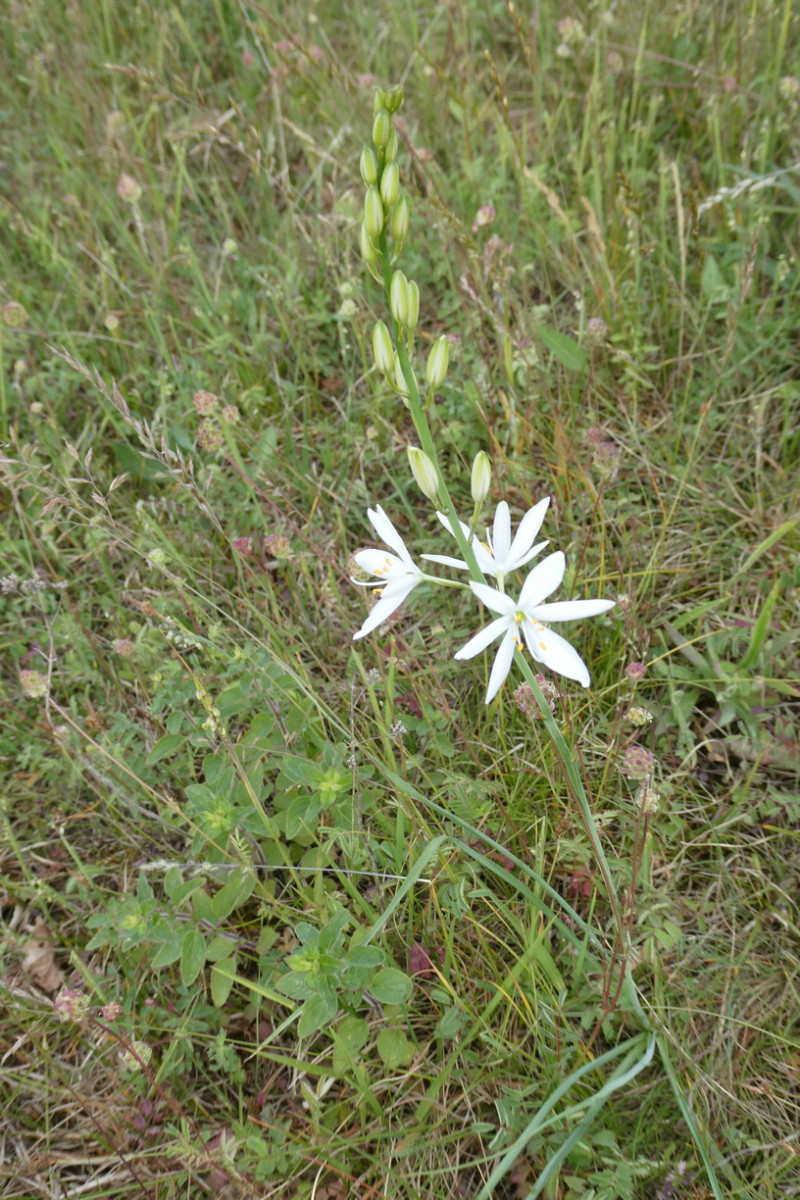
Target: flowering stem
(422, 427)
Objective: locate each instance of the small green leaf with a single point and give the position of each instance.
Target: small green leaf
(348, 1041)
(365, 957)
(297, 985)
(172, 879)
(563, 347)
(449, 1023)
(193, 955)
(168, 952)
(234, 893)
(317, 1011)
(391, 986)
(223, 974)
(393, 1047)
(168, 744)
(219, 947)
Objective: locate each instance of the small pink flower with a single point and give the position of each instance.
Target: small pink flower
(637, 763)
(248, 58)
(636, 671)
(485, 215)
(123, 646)
(205, 403)
(527, 702)
(110, 1011)
(277, 545)
(243, 546)
(128, 189)
(209, 435)
(230, 415)
(33, 684)
(70, 1005)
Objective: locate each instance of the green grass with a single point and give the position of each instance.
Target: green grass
(213, 801)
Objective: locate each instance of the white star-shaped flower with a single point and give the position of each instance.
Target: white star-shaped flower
(499, 555)
(525, 620)
(398, 573)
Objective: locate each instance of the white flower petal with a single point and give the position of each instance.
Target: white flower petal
(378, 614)
(483, 639)
(501, 665)
(529, 526)
(445, 520)
(526, 558)
(495, 601)
(570, 610)
(543, 579)
(501, 533)
(378, 562)
(445, 560)
(387, 532)
(555, 652)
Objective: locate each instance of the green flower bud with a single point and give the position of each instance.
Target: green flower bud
(378, 100)
(369, 165)
(391, 147)
(481, 476)
(438, 359)
(398, 297)
(413, 305)
(399, 377)
(393, 98)
(382, 348)
(373, 212)
(381, 128)
(369, 252)
(424, 472)
(390, 184)
(400, 218)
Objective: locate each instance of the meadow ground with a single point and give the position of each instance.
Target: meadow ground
(287, 914)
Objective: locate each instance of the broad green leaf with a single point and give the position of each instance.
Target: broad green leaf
(317, 1011)
(391, 986)
(297, 985)
(193, 955)
(563, 347)
(366, 957)
(223, 974)
(234, 893)
(168, 952)
(219, 947)
(348, 1041)
(393, 1047)
(168, 744)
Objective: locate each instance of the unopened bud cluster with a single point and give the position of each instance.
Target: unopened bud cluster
(385, 206)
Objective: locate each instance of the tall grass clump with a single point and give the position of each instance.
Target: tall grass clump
(398, 593)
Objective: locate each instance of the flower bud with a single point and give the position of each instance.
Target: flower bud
(413, 305)
(369, 252)
(399, 377)
(368, 165)
(436, 368)
(378, 100)
(390, 184)
(393, 98)
(400, 218)
(481, 477)
(424, 472)
(373, 212)
(381, 128)
(382, 348)
(390, 149)
(398, 297)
